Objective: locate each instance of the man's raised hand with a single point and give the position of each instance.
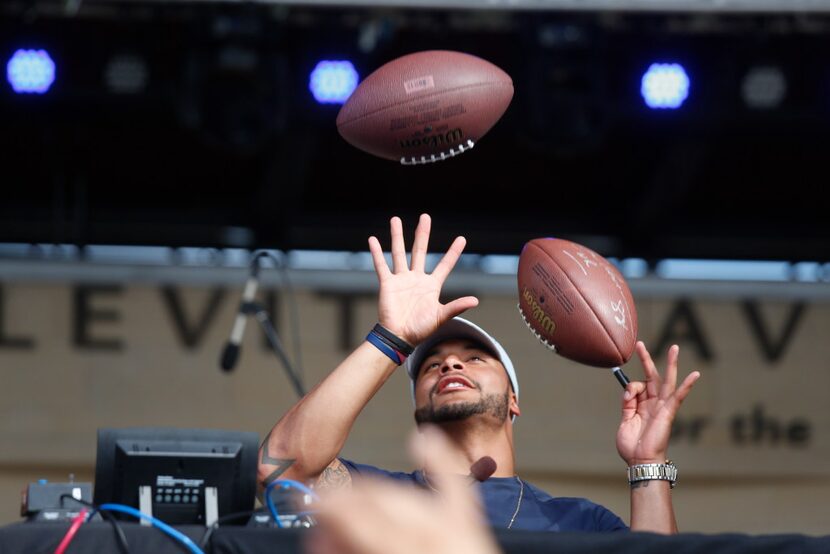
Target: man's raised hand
(649, 408)
(408, 303)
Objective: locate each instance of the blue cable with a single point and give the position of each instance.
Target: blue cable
(271, 507)
(159, 524)
(287, 483)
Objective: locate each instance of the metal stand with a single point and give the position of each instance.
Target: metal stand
(258, 310)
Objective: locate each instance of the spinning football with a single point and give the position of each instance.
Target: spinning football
(576, 302)
(425, 107)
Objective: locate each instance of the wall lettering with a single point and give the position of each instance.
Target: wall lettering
(771, 347)
(6, 340)
(759, 428)
(683, 326)
(345, 315)
(85, 315)
(190, 334)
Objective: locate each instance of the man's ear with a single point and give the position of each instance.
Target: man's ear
(514, 405)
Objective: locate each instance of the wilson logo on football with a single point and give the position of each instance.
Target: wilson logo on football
(537, 313)
(451, 137)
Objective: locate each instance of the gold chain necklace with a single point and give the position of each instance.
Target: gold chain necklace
(518, 504)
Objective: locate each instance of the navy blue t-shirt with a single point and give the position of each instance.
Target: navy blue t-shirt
(538, 511)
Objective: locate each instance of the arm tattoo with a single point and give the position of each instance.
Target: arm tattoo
(640, 484)
(281, 464)
(335, 476)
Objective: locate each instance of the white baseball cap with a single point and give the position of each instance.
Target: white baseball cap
(459, 328)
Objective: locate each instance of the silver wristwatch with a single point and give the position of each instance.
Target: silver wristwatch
(647, 472)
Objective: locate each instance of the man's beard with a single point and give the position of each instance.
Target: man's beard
(491, 404)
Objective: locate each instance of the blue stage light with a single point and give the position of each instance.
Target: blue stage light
(665, 86)
(332, 82)
(30, 71)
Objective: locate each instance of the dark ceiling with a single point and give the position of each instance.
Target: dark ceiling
(226, 136)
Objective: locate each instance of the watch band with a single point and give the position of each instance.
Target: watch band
(648, 472)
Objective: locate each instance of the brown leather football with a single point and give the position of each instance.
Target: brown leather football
(425, 107)
(576, 302)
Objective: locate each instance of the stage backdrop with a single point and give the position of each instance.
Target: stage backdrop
(752, 442)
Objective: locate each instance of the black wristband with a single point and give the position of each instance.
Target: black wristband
(393, 340)
(380, 343)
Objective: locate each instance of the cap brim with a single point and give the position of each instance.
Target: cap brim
(458, 328)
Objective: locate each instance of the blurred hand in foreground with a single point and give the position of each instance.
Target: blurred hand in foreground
(382, 517)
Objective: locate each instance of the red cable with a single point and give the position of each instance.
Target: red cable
(67, 538)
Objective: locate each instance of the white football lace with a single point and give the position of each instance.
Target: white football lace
(439, 157)
(543, 340)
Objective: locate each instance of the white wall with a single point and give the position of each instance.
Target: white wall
(746, 477)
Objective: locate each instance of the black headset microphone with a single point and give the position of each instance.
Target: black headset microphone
(483, 468)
